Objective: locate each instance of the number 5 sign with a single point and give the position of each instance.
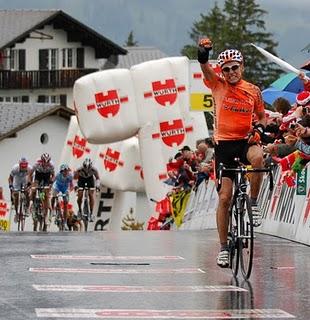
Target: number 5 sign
(200, 95)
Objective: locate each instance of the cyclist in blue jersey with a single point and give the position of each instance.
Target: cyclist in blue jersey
(63, 184)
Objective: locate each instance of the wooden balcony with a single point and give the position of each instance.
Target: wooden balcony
(42, 79)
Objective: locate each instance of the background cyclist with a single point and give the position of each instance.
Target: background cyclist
(63, 184)
(44, 172)
(87, 175)
(19, 177)
(235, 102)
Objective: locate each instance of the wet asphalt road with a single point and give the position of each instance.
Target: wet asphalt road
(143, 275)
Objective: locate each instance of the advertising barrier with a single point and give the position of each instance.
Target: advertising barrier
(286, 210)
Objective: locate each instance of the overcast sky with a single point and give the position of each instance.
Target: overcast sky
(165, 24)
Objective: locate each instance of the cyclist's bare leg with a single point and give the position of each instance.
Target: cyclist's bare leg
(255, 157)
(91, 200)
(65, 209)
(222, 212)
(15, 196)
(79, 200)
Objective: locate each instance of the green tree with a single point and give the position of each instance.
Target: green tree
(238, 24)
(130, 42)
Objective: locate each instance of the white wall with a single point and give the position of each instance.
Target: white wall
(59, 41)
(27, 144)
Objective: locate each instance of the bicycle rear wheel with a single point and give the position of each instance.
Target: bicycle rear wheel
(233, 243)
(246, 237)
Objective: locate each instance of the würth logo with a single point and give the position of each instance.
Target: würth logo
(164, 93)
(78, 146)
(107, 105)
(172, 133)
(111, 159)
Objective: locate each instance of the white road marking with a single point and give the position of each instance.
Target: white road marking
(102, 258)
(111, 288)
(112, 270)
(162, 314)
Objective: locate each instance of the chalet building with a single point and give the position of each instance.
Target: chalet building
(42, 53)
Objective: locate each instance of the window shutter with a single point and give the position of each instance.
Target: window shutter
(22, 59)
(80, 57)
(43, 59)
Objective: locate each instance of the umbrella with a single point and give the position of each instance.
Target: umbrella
(271, 94)
(289, 82)
(306, 65)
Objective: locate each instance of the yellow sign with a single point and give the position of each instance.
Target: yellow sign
(4, 225)
(202, 102)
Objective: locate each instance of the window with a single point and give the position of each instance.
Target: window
(18, 59)
(7, 99)
(48, 59)
(44, 138)
(42, 99)
(25, 99)
(49, 99)
(1, 99)
(68, 58)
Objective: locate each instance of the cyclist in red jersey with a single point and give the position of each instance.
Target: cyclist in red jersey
(236, 100)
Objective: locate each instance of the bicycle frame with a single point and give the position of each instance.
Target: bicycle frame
(241, 242)
(20, 211)
(38, 214)
(85, 205)
(60, 217)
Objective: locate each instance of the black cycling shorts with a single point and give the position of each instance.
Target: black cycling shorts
(43, 179)
(226, 151)
(86, 182)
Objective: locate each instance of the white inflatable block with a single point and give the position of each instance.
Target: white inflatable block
(105, 105)
(158, 91)
(200, 125)
(158, 144)
(76, 148)
(120, 166)
(180, 68)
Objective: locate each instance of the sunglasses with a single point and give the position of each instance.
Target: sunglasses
(233, 68)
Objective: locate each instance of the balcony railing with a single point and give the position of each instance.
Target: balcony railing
(41, 79)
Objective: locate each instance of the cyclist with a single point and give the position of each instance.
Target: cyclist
(19, 177)
(44, 172)
(87, 175)
(63, 184)
(236, 100)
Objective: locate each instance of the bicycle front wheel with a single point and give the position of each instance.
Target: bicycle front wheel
(246, 237)
(21, 216)
(233, 243)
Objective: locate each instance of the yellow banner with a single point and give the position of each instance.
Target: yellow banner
(4, 225)
(201, 102)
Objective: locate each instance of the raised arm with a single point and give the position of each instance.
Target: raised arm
(204, 48)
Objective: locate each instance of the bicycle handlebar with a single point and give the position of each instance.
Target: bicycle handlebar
(243, 169)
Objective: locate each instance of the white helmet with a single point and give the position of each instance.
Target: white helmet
(229, 55)
(87, 163)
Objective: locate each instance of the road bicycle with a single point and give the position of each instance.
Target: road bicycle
(21, 211)
(241, 231)
(59, 211)
(85, 206)
(38, 209)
